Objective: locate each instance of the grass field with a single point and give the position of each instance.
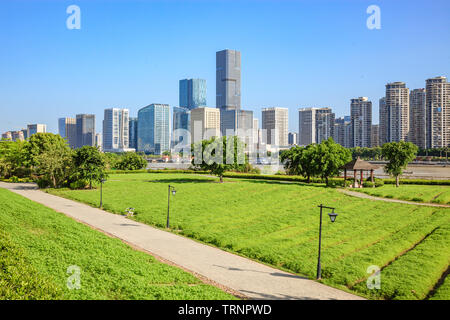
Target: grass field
(420, 193)
(277, 223)
(37, 245)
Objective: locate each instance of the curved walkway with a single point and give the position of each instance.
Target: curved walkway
(367, 196)
(249, 278)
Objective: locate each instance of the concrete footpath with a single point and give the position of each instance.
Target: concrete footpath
(244, 276)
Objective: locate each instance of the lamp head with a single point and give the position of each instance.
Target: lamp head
(333, 216)
(174, 191)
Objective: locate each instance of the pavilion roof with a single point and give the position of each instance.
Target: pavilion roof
(358, 164)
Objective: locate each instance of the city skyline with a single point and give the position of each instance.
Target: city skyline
(59, 85)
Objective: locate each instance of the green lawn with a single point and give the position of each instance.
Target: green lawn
(277, 223)
(420, 193)
(37, 245)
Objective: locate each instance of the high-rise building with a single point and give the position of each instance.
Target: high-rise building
(36, 128)
(116, 132)
(438, 112)
(375, 135)
(361, 121)
(192, 93)
(257, 133)
(237, 122)
(384, 122)
(67, 128)
(133, 125)
(85, 130)
(397, 112)
(181, 119)
(275, 125)
(153, 129)
(417, 118)
(98, 141)
(292, 138)
(25, 133)
(7, 136)
(342, 131)
(315, 125)
(205, 123)
(228, 79)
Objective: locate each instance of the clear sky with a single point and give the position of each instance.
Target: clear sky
(133, 53)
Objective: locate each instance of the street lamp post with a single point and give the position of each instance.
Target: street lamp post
(171, 188)
(333, 216)
(101, 192)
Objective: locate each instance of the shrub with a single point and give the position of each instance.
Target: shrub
(368, 184)
(131, 161)
(79, 184)
(43, 183)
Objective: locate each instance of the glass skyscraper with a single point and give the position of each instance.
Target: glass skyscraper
(85, 130)
(192, 93)
(181, 120)
(153, 129)
(133, 124)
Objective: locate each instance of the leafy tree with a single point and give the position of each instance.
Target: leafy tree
(55, 164)
(399, 154)
(12, 161)
(329, 157)
(218, 155)
(39, 143)
(89, 164)
(323, 160)
(131, 161)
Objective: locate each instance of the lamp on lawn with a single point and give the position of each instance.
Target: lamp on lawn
(171, 189)
(333, 217)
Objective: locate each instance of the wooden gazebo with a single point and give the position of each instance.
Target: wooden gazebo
(358, 165)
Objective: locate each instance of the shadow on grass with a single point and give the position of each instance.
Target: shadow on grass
(182, 180)
(299, 183)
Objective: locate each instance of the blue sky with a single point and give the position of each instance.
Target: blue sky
(133, 53)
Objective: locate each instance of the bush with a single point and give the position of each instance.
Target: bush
(132, 161)
(43, 183)
(368, 184)
(79, 184)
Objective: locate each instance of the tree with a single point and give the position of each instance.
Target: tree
(323, 160)
(329, 157)
(399, 154)
(218, 155)
(131, 161)
(55, 163)
(89, 165)
(12, 161)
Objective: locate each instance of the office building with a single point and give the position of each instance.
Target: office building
(438, 112)
(25, 133)
(192, 93)
(7, 136)
(85, 130)
(36, 128)
(275, 126)
(181, 124)
(99, 141)
(417, 118)
(133, 125)
(67, 128)
(361, 121)
(375, 140)
(153, 129)
(384, 122)
(205, 123)
(315, 125)
(228, 79)
(116, 131)
(396, 112)
(292, 138)
(342, 131)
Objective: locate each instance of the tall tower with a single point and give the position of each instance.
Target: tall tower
(192, 93)
(384, 122)
(438, 112)
(276, 123)
(153, 129)
(85, 130)
(361, 121)
(228, 79)
(397, 105)
(116, 130)
(417, 118)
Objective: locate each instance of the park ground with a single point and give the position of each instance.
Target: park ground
(277, 223)
(40, 250)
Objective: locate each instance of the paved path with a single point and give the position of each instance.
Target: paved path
(249, 278)
(367, 196)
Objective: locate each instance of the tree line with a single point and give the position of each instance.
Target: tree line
(48, 160)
